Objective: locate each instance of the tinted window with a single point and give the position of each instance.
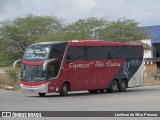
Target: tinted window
(139, 52)
(98, 53)
(130, 52)
(120, 52)
(58, 51)
(90, 53)
(77, 53)
(86, 53)
(103, 52)
(110, 52)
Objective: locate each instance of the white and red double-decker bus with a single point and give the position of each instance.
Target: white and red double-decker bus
(93, 65)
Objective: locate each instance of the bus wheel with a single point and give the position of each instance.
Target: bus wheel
(64, 90)
(123, 85)
(114, 87)
(41, 94)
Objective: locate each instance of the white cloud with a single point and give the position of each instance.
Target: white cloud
(86, 5)
(144, 11)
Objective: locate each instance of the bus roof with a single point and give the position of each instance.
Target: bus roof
(102, 43)
(88, 43)
(47, 43)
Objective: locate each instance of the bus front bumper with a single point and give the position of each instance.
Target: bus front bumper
(43, 88)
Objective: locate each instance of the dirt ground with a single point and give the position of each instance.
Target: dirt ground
(3, 69)
(149, 80)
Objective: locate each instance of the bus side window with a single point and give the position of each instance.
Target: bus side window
(70, 54)
(110, 56)
(128, 53)
(57, 51)
(109, 52)
(139, 52)
(53, 69)
(76, 53)
(98, 53)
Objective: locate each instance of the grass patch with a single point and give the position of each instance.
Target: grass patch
(9, 77)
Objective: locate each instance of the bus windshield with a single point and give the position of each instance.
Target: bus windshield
(32, 73)
(36, 53)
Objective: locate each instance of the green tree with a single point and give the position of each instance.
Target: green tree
(22, 32)
(8, 54)
(58, 35)
(86, 28)
(123, 30)
(81, 29)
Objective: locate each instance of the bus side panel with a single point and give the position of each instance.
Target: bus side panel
(132, 71)
(89, 75)
(104, 75)
(76, 76)
(138, 78)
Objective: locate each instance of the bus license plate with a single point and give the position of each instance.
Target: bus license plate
(31, 90)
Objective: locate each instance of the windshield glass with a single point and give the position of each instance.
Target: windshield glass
(32, 73)
(36, 53)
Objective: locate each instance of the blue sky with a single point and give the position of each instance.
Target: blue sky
(146, 12)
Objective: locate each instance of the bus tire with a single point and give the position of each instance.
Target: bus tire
(64, 89)
(123, 85)
(41, 94)
(114, 86)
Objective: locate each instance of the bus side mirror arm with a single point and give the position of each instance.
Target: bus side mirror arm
(15, 63)
(47, 62)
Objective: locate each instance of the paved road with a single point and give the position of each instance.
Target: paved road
(134, 99)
